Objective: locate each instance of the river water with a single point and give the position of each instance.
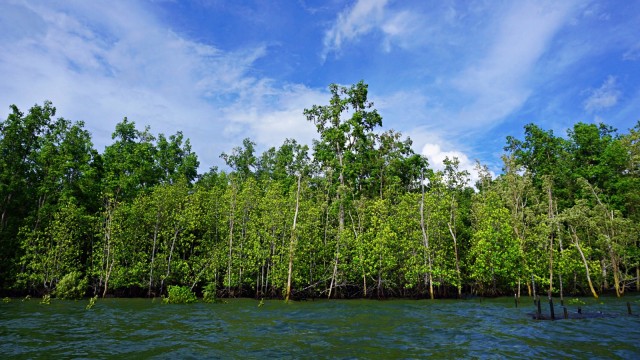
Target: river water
(478, 328)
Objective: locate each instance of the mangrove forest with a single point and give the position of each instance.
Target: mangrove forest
(358, 214)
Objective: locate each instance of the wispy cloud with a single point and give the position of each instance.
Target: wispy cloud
(498, 83)
(632, 54)
(603, 97)
(395, 26)
(98, 67)
(363, 17)
(493, 74)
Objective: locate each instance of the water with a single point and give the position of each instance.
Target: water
(142, 328)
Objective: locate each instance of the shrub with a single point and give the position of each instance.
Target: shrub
(209, 293)
(576, 301)
(71, 286)
(46, 300)
(92, 302)
(180, 295)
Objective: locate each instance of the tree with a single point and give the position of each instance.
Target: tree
(456, 180)
(175, 160)
(495, 253)
(242, 159)
(345, 146)
(129, 163)
(21, 139)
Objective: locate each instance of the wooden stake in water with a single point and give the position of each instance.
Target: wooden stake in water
(539, 310)
(551, 311)
(515, 298)
(629, 307)
(566, 313)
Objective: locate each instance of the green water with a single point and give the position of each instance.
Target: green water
(141, 328)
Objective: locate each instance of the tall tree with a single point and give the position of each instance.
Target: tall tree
(456, 180)
(344, 150)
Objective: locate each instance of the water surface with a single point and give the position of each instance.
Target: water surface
(479, 328)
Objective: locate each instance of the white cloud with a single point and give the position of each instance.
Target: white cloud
(437, 155)
(100, 62)
(498, 83)
(603, 97)
(351, 23)
(632, 54)
(366, 16)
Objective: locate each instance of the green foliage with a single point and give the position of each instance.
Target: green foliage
(180, 295)
(134, 219)
(6, 300)
(72, 286)
(209, 293)
(92, 302)
(576, 301)
(46, 299)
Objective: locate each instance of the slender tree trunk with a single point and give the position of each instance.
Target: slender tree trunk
(108, 263)
(551, 236)
(241, 253)
(231, 222)
(380, 289)
(455, 248)
(335, 270)
(3, 219)
(153, 250)
(425, 238)
(293, 240)
(616, 273)
(561, 291)
(360, 254)
(609, 216)
(258, 274)
(340, 225)
(173, 243)
(576, 242)
(605, 284)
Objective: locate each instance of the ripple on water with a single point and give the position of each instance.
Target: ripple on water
(329, 329)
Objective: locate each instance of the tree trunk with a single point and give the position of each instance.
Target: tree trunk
(292, 242)
(153, 251)
(576, 242)
(550, 216)
(355, 234)
(425, 238)
(173, 243)
(455, 248)
(340, 224)
(108, 266)
(616, 275)
(232, 211)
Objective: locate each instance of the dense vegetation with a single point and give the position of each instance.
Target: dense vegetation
(358, 215)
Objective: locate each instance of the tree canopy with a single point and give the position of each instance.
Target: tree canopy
(358, 214)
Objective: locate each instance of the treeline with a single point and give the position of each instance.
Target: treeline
(357, 215)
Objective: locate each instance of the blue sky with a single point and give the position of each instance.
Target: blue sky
(455, 76)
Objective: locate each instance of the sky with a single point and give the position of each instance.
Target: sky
(457, 77)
